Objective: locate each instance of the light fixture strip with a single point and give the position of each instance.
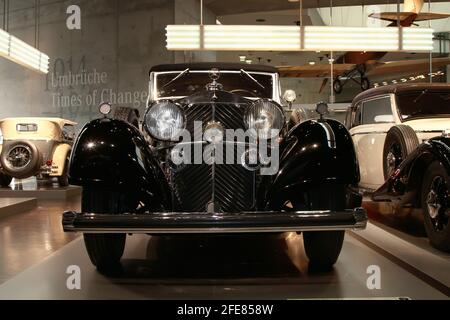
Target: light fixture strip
(296, 38)
(22, 53)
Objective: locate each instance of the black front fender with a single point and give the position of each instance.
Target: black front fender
(315, 153)
(114, 154)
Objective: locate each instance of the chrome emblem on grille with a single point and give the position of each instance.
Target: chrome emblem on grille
(214, 132)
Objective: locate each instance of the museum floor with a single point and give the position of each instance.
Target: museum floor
(35, 254)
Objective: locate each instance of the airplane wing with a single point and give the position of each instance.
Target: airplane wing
(315, 71)
(402, 16)
(392, 16)
(406, 66)
(425, 16)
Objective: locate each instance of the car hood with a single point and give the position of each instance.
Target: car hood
(429, 124)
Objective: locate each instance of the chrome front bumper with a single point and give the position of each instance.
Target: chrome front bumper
(196, 222)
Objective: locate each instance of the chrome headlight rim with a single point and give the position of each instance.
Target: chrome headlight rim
(250, 110)
(155, 103)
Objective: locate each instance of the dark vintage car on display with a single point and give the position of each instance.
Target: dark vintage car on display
(423, 181)
(276, 180)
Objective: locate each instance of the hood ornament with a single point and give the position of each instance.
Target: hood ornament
(214, 75)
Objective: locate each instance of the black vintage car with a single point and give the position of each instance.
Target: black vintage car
(299, 179)
(422, 181)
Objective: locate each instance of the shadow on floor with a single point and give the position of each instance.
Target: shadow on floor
(407, 220)
(218, 257)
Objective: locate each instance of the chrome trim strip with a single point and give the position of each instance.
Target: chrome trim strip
(331, 138)
(382, 132)
(368, 132)
(210, 223)
(357, 226)
(276, 94)
(429, 131)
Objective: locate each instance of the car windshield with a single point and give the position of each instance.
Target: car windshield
(191, 82)
(424, 104)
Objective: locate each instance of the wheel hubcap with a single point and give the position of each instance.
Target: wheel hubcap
(337, 85)
(437, 199)
(433, 204)
(393, 159)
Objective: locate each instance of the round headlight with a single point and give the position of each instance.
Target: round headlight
(265, 118)
(164, 120)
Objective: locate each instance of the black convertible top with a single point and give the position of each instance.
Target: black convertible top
(211, 65)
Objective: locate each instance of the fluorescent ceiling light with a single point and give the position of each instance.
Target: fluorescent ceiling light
(22, 53)
(296, 38)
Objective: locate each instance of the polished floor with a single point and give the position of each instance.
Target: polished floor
(28, 237)
(35, 255)
(255, 267)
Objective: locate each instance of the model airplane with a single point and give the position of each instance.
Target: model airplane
(357, 66)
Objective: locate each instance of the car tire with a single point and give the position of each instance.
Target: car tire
(63, 180)
(323, 247)
(5, 180)
(436, 205)
(104, 250)
(365, 84)
(401, 141)
(17, 170)
(129, 115)
(337, 86)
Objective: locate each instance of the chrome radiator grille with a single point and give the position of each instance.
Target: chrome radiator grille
(231, 187)
(231, 115)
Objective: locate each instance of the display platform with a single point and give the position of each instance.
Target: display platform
(40, 191)
(426, 263)
(217, 267)
(11, 206)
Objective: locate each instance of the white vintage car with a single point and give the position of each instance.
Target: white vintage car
(35, 147)
(388, 123)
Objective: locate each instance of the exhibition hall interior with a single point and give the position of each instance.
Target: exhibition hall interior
(209, 149)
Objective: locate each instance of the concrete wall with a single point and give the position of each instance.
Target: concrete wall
(188, 12)
(118, 43)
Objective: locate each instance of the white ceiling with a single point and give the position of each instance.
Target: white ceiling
(227, 7)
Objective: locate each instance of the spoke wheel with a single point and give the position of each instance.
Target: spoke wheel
(401, 141)
(436, 206)
(19, 156)
(20, 159)
(393, 158)
(365, 84)
(337, 86)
